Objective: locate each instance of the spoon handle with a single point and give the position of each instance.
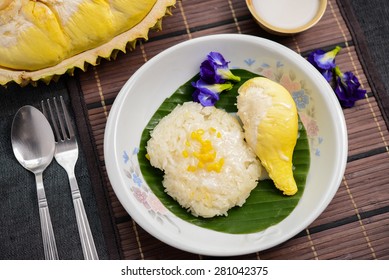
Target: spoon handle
(49, 245)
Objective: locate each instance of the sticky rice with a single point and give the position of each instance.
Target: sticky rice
(208, 166)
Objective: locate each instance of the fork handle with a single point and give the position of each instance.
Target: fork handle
(49, 246)
(87, 243)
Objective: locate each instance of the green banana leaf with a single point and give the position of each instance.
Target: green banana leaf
(266, 206)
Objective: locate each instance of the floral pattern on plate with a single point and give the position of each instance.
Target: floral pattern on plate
(142, 191)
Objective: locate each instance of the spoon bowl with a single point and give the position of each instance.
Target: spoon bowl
(32, 139)
(33, 145)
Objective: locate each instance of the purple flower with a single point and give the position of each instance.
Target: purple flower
(214, 77)
(208, 94)
(214, 70)
(324, 61)
(347, 88)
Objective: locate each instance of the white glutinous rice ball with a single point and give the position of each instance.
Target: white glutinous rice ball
(208, 166)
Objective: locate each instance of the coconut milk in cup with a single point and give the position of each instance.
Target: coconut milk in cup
(286, 17)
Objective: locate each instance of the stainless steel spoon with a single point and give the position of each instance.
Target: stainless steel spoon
(33, 145)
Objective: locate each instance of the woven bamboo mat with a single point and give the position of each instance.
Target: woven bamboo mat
(356, 223)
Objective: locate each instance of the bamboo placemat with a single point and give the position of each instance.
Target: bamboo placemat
(356, 223)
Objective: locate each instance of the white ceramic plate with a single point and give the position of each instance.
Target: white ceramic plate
(161, 76)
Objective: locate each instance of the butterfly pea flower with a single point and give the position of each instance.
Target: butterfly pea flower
(347, 88)
(324, 61)
(214, 70)
(215, 77)
(208, 94)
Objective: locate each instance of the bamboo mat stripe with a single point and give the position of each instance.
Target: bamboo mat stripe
(355, 224)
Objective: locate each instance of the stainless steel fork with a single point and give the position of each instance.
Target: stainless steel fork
(66, 154)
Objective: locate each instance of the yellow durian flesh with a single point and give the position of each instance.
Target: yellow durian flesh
(270, 120)
(42, 33)
(44, 38)
(26, 41)
(86, 23)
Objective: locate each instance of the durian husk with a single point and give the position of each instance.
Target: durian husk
(108, 50)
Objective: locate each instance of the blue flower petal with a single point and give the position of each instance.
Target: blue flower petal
(327, 74)
(205, 99)
(217, 59)
(215, 69)
(137, 180)
(214, 73)
(208, 94)
(323, 60)
(347, 88)
(208, 73)
(300, 98)
(126, 158)
(249, 61)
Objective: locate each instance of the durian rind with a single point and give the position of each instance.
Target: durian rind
(120, 43)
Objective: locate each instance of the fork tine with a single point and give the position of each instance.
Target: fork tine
(67, 118)
(44, 111)
(60, 120)
(53, 122)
